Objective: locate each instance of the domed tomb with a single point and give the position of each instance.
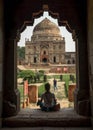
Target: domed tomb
(47, 46)
(46, 30)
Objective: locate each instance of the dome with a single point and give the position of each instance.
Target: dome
(46, 30)
(46, 24)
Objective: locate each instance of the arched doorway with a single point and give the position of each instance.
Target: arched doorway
(35, 60)
(82, 71)
(44, 53)
(44, 60)
(54, 59)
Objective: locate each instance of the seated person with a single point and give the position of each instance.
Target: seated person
(48, 101)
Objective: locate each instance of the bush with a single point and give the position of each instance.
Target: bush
(41, 72)
(26, 75)
(72, 78)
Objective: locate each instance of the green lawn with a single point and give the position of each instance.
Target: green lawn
(20, 88)
(66, 79)
(41, 90)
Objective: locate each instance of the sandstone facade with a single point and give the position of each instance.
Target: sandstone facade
(47, 46)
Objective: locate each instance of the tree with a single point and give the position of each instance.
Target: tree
(21, 52)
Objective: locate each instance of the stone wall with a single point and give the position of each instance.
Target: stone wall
(90, 43)
(70, 69)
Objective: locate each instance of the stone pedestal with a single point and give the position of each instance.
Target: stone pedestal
(71, 90)
(82, 102)
(33, 93)
(11, 103)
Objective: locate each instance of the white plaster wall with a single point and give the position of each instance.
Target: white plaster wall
(90, 43)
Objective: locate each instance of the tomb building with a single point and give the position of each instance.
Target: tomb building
(47, 46)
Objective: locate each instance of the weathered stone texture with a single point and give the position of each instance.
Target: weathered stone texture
(32, 93)
(70, 92)
(47, 45)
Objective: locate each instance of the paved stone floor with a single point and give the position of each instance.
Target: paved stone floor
(66, 117)
(37, 113)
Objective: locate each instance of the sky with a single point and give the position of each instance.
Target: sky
(27, 33)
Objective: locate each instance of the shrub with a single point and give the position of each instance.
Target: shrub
(26, 75)
(41, 72)
(72, 78)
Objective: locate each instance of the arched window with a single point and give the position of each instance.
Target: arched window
(35, 60)
(44, 60)
(68, 62)
(73, 61)
(54, 59)
(44, 53)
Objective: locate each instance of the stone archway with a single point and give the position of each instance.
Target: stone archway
(11, 94)
(44, 60)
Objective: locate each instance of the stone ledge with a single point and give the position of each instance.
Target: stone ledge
(37, 118)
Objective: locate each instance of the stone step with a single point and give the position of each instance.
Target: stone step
(37, 118)
(47, 122)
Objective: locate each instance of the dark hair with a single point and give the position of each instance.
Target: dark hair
(47, 86)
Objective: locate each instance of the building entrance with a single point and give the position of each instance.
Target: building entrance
(44, 60)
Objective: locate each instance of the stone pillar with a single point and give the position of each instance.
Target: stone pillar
(90, 43)
(33, 93)
(1, 58)
(11, 96)
(81, 94)
(71, 90)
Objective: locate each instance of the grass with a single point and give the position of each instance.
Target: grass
(41, 89)
(22, 97)
(20, 88)
(65, 78)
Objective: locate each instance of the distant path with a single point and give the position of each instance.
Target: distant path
(60, 94)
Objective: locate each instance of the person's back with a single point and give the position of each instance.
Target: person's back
(48, 101)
